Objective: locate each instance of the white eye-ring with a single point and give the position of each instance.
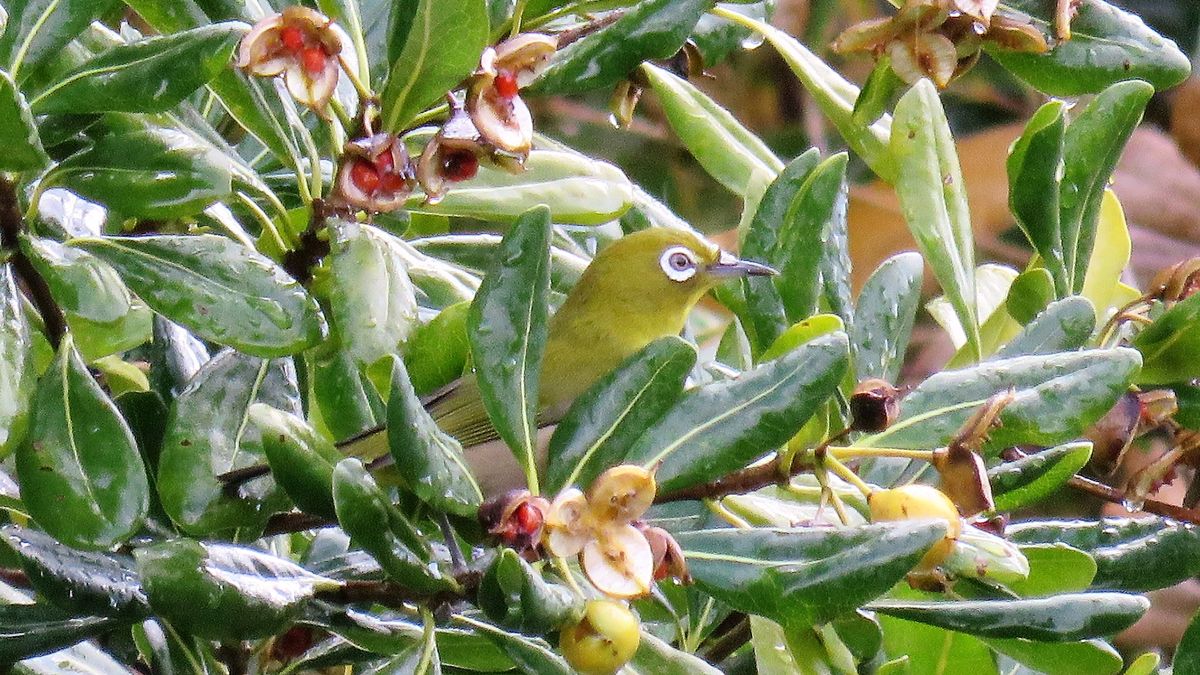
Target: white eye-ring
(678, 263)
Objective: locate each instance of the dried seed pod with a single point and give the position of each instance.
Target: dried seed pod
(375, 174)
(1177, 282)
(622, 494)
(515, 519)
(924, 54)
(874, 405)
(451, 156)
(668, 555)
(1112, 434)
(502, 122)
(974, 432)
(569, 525)
(300, 43)
(618, 561)
(525, 55)
(964, 479)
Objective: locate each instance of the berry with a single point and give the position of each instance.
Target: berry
(313, 59)
(604, 639)
(909, 502)
(364, 177)
(459, 165)
(292, 38)
(506, 84)
(528, 518)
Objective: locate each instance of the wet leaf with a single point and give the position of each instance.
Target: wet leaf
(884, 315)
(1062, 326)
(18, 374)
(659, 657)
(1033, 478)
(373, 303)
(513, 594)
(81, 476)
(37, 31)
(1169, 345)
(1053, 658)
(32, 630)
(301, 460)
(532, 655)
(1035, 173)
(18, 131)
(220, 289)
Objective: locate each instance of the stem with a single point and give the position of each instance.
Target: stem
(1111, 494)
(738, 482)
(834, 498)
(11, 225)
(339, 111)
(850, 451)
(364, 92)
(518, 14)
(730, 642)
(847, 475)
(265, 222)
(456, 557)
(564, 571)
(428, 644)
(436, 112)
(725, 514)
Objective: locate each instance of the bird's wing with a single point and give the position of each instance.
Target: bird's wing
(458, 410)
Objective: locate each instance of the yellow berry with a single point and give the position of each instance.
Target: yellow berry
(604, 639)
(911, 502)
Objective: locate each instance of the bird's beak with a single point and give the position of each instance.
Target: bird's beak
(729, 265)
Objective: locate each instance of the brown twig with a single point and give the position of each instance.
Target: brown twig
(294, 521)
(392, 594)
(566, 37)
(737, 635)
(1112, 494)
(738, 482)
(14, 577)
(11, 223)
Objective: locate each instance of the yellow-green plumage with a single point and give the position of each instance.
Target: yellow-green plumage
(630, 295)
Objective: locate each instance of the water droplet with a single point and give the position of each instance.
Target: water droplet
(753, 41)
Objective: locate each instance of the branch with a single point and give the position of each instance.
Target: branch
(294, 521)
(1112, 494)
(394, 595)
(11, 223)
(738, 482)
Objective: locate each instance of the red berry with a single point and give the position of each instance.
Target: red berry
(460, 165)
(529, 518)
(506, 84)
(292, 38)
(313, 59)
(384, 162)
(392, 183)
(364, 177)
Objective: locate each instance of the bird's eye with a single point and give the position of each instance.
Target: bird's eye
(678, 263)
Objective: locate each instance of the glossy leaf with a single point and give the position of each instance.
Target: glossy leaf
(1095, 657)
(224, 592)
(1033, 478)
(1187, 656)
(1093, 144)
(801, 577)
(373, 523)
(605, 421)
(1062, 326)
(507, 329)
(530, 654)
(1169, 345)
(437, 352)
(1132, 554)
(513, 594)
(83, 582)
(659, 657)
(813, 264)
(149, 173)
(1029, 294)
(577, 189)
(220, 289)
(1107, 45)
(81, 476)
(933, 199)
(477, 251)
(343, 397)
(729, 152)
(1110, 256)
(434, 467)
(1056, 398)
(1059, 618)
(884, 315)
(654, 29)
(18, 375)
(31, 630)
(726, 425)
(208, 434)
(1035, 172)
(833, 94)
(301, 460)
(373, 301)
(762, 243)
(442, 47)
(151, 75)
(1054, 568)
(82, 284)
(37, 31)
(18, 131)
(919, 648)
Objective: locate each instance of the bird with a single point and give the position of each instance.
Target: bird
(639, 288)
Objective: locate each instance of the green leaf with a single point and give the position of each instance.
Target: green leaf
(653, 29)
(762, 242)
(18, 374)
(658, 657)
(38, 30)
(833, 94)
(82, 284)
(373, 523)
(1029, 294)
(801, 577)
(31, 630)
(346, 402)
(83, 582)
(801, 333)
(1062, 326)
(530, 654)
(884, 315)
(809, 242)
(918, 648)
(1107, 45)
(1168, 346)
(1035, 172)
(18, 131)
(301, 459)
(1132, 554)
(726, 425)
(81, 476)
(1093, 144)
(933, 198)
(514, 595)
(223, 291)
(1088, 656)
(436, 353)
(1030, 479)
(1060, 618)
(1187, 656)
(1054, 568)
(1056, 398)
(224, 592)
(208, 434)
(149, 173)
(373, 302)
(578, 190)
(507, 327)
(605, 421)
(432, 461)
(442, 47)
(151, 75)
(728, 151)
(877, 92)
(476, 252)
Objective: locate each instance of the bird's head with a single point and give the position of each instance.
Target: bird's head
(661, 272)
